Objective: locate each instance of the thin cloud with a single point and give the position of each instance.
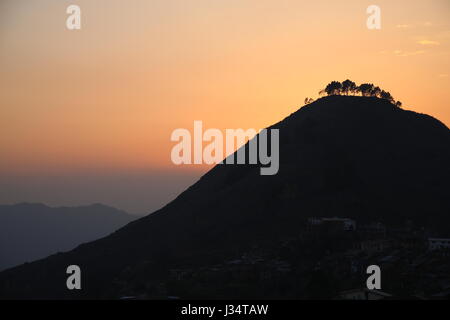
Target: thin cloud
(400, 53)
(428, 43)
(415, 25)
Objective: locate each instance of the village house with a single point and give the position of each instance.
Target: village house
(373, 229)
(438, 244)
(344, 224)
(373, 246)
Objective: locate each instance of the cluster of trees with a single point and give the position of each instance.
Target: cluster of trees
(309, 100)
(348, 87)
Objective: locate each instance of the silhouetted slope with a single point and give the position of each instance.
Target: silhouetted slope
(33, 231)
(339, 156)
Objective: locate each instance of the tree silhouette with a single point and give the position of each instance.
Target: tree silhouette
(366, 89)
(333, 88)
(309, 100)
(387, 96)
(348, 86)
(375, 92)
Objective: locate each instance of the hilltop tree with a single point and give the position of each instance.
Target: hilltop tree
(375, 92)
(366, 89)
(387, 96)
(309, 100)
(348, 86)
(333, 88)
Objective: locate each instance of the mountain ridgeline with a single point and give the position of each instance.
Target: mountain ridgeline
(31, 231)
(340, 156)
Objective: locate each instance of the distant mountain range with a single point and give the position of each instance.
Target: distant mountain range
(30, 231)
(355, 157)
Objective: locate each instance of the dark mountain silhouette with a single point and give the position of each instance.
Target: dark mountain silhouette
(358, 157)
(33, 231)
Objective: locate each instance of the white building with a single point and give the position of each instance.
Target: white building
(347, 224)
(314, 221)
(438, 243)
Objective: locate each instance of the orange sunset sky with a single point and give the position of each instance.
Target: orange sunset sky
(105, 99)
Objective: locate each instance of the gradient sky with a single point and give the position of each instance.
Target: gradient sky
(86, 116)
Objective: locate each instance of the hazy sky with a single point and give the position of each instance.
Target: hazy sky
(86, 116)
